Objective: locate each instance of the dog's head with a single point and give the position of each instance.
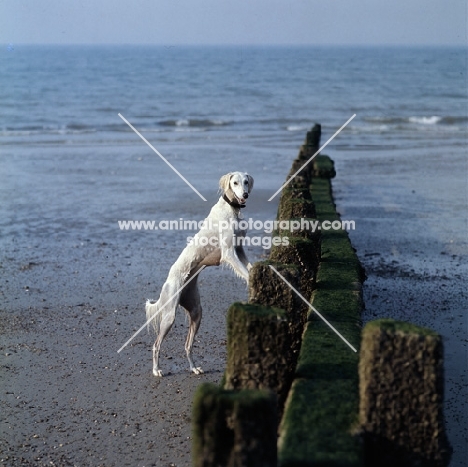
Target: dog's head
(236, 186)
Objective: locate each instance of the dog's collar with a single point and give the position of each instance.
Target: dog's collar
(234, 204)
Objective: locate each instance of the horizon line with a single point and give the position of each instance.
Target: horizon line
(228, 44)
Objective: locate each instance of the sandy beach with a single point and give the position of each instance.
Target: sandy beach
(69, 398)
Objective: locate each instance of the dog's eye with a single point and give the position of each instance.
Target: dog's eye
(245, 182)
(235, 183)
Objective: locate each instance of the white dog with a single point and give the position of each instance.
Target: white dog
(216, 243)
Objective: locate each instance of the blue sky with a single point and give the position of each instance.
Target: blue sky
(176, 22)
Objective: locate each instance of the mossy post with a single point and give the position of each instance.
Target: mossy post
(401, 395)
(323, 403)
(313, 137)
(303, 253)
(233, 428)
(323, 167)
(308, 149)
(266, 288)
(295, 202)
(258, 343)
(311, 145)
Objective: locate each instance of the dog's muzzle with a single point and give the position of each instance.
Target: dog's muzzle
(245, 195)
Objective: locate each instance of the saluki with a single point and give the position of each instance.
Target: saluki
(216, 243)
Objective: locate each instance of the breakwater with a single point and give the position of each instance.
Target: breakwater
(300, 361)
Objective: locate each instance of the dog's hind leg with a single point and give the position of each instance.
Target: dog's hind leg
(166, 324)
(190, 300)
(166, 317)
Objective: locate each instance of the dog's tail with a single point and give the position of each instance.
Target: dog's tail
(153, 314)
(169, 299)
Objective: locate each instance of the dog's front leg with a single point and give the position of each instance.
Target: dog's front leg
(228, 246)
(230, 257)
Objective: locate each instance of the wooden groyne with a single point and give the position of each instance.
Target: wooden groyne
(401, 395)
(295, 393)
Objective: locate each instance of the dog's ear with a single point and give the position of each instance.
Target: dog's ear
(224, 182)
(251, 182)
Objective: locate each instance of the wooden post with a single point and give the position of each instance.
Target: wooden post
(266, 288)
(258, 347)
(401, 395)
(233, 428)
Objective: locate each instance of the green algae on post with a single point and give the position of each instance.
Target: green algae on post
(233, 427)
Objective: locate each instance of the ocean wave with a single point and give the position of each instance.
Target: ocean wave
(204, 122)
(375, 129)
(434, 119)
(189, 130)
(406, 128)
(418, 120)
(79, 127)
(296, 128)
(30, 130)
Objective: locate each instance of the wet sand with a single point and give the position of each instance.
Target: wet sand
(411, 236)
(69, 303)
(70, 300)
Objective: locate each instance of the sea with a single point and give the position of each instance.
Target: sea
(67, 153)
(207, 111)
(90, 135)
(212, 109)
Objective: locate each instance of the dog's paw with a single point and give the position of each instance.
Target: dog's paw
(197, 370)
(157, 373)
